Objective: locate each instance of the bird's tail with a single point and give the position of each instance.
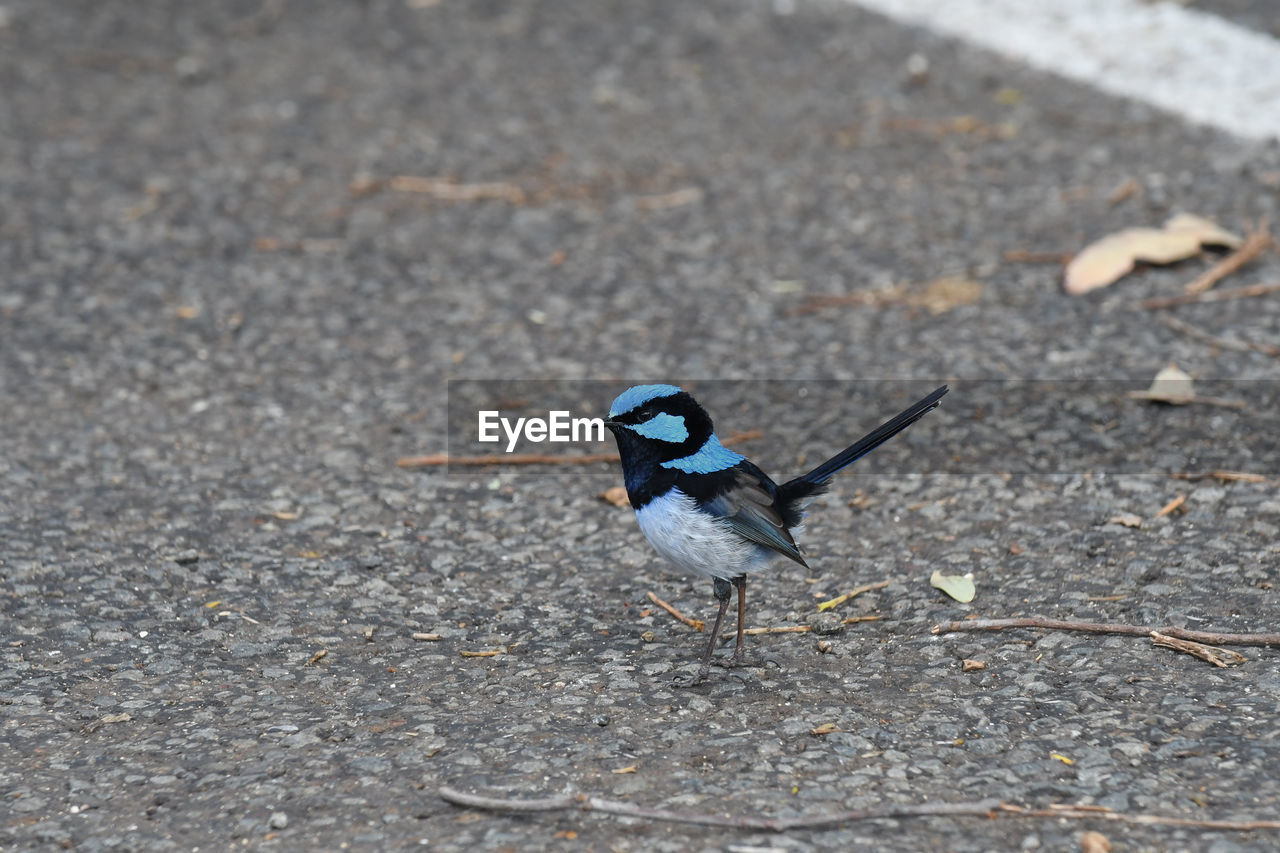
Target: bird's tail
(869, 442)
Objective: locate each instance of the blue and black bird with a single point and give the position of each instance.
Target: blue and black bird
(706, 508)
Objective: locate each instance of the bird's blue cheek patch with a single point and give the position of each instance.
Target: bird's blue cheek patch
(712, 456)
(663, 427)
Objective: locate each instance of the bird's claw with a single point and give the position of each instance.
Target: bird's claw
(685, 679)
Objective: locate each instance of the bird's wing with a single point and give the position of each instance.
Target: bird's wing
(747, 506)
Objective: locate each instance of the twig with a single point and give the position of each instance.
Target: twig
(1213, 654)
(692, 623)
(583, 802)
(1098, 813)
(675, 198)
(776, 629)
(1023, 256)
(1222, 343)
(1210, 296)
(1124, 191)
(832, 603)
(434, 459)
(1225, 476)
(447, 189)
(991, 808)
(1180, 400)
(1211, 637)
(1172, 506)
(875, 298)
(796, 629)
(1255, 243)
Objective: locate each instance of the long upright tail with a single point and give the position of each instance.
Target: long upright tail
(865, 445)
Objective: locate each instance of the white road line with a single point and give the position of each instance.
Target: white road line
(1187, 62)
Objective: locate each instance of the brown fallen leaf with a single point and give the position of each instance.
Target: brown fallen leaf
(1127, 519)
(1094, 842)
(616, 495)
(944, 294)
(1105, 261)
(631, 768)
(968, 665)
(1208, 232)
(1172, 385)
(824, 729)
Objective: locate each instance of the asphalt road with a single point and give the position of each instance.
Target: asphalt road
(222, 321)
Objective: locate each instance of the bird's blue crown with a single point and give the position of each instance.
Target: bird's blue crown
(638, 395)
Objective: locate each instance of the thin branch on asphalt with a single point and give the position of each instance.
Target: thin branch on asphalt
(583, 802)
(1255, 243)
(1210, 637)
(1219, 342)
(688, 620)
(1211, 296)
(990, 808)
(1213, 654)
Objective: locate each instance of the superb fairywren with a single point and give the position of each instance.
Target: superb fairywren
(708, 509)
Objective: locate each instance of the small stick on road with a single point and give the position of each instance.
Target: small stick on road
(692, 623)
(1210, 637)
(991, 808)
(1210, 296)
(1213, 654)
(1255, 243)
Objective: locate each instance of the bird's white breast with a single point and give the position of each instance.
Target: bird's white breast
(696, 541)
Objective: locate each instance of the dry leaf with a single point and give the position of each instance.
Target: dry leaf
(631, 768)
(1094, 842)
(1106, 260)
(1207, 232)
(616, 495)
(1057, 756)
(1172, 385)
(824, 729)
(970, 665)
(943, 294)
(959, 587)
(117, 718)
(1128, 519)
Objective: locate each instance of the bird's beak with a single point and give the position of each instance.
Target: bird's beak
(612, 424)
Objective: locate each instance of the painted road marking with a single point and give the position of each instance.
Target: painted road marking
(1190, 63)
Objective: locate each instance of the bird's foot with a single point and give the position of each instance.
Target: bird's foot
(737, 659)
(685, 679)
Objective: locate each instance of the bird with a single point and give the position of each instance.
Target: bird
(708, 509)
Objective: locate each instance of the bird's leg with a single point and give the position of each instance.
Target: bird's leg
(739, 657)
(741, 583)
(721, 590)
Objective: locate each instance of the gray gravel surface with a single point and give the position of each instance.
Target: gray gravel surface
(220, 326)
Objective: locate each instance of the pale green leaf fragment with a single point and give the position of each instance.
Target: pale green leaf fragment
(959, 587)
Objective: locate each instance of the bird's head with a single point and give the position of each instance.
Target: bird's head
(658, 422)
